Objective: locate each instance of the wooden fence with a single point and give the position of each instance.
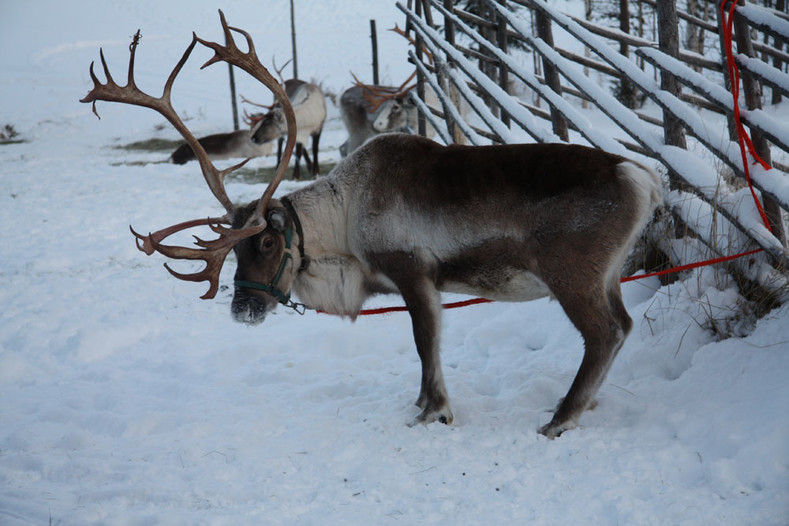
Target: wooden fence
(472, 67)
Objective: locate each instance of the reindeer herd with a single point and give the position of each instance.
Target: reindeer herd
(366, 110)
(403, 214)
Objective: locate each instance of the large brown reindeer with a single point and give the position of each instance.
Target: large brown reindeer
(403, 214)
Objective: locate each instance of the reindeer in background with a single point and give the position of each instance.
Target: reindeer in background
(368, 110)
(232, 145)
(309, 105)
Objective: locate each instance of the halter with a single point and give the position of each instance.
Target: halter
(272, 287)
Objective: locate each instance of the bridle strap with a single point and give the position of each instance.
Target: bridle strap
(305, 261)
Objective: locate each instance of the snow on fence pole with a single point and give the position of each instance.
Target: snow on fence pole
(421, 7)
(503, 44)
(764, 20)
(452, 123)
(770, 75)
(451, 113)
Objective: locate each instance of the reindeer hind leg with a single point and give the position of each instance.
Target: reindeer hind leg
(603, 322)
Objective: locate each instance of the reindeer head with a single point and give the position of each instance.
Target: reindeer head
(257, 231)
(270, 126)
(267, 263)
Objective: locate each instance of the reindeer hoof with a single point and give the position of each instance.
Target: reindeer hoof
(553, 429)
(428, 416)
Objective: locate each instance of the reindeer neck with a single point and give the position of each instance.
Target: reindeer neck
(320, 209)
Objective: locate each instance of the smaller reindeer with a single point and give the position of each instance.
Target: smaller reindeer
(309, 104)
(224, 146)
(368, 110)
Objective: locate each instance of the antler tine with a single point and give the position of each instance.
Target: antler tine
(131, 94)
(249, 62)
(257, 104)
(279, 70)
(250, 119)
(212, 252)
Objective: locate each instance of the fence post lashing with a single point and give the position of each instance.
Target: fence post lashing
(545, 33)
(753, 101)
(668, 40)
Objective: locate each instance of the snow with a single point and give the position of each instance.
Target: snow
(124, 399)
(764, 19)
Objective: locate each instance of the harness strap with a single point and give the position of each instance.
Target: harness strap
(305, 261)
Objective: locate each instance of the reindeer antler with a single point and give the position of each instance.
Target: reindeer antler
(377, 95)
(212, 252)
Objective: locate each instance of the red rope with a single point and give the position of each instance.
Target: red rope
(453, 305)
(742, 135)
(690, 266)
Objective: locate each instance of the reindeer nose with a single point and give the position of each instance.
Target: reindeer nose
(248, 309)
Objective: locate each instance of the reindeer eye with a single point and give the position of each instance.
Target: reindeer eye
(268, 243)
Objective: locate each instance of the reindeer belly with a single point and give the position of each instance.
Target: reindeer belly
(498, 270)
(495, 283)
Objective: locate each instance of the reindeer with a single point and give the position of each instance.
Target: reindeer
(219, 146)
(368, 110)
(405, 215)
(309, 104)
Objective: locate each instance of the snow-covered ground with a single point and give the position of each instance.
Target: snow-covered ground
(124, 399)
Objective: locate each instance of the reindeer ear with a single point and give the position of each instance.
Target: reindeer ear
(278, 219)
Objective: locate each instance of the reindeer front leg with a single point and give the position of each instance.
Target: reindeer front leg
(417, 286)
